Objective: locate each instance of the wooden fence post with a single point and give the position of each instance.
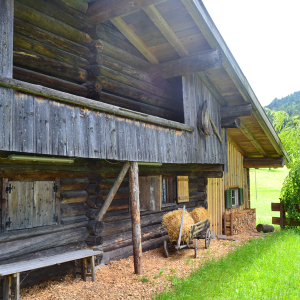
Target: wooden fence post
(282, 214)
(135, 217)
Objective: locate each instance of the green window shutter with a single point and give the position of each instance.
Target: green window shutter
(228, 200)
(241, 196)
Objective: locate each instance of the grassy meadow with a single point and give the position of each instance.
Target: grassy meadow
(269, 183)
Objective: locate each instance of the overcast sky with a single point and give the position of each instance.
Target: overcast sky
(264, 38)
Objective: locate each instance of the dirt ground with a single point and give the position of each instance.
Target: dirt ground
(117, 280)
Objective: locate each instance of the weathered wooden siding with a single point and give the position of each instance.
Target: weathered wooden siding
(204, 149)
(40, 125)
(235, 178)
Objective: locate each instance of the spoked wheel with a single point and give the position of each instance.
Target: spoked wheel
(207, 238)
(196, 248)
(166, 250)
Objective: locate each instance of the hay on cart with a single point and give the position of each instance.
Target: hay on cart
(200, 214)
(172, 222)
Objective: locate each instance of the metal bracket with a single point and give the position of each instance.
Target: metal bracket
(7, 224)
(8, 189)
(55, 188)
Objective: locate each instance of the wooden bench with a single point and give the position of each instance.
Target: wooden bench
(11, 288)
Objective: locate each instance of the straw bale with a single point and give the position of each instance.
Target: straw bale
(199, 214)
(172, 222)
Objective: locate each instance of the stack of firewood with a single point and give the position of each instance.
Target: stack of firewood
(240, 221)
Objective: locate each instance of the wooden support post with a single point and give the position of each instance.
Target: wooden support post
(282, 214)
(84, 269)
(224, 225)
(135, 217)
(6, 37)
(17, 286)
(93, 268)
(112, 192)
(7, 287)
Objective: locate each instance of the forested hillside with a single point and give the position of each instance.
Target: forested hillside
(289, 104)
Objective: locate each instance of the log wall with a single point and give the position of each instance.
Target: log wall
(56, 46)
(236, 177)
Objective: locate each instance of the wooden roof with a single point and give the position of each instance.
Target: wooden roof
(167, 30)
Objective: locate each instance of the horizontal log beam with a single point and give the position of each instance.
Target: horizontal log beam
(96, 105)
(264, 162)
(232, 122)
(101, 11)
(188, 65)
(236, 111)
(49, 81)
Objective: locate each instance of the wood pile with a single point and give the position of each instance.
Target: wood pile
(240, 221)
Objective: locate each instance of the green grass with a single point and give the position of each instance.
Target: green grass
(269, 183)
(261, 269)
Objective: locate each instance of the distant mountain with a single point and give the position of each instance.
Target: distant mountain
(290, 104)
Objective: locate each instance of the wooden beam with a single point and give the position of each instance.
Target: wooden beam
(134, 39)
(188, 65)
(236, 111)
(112, 192)
(96, 105)
(6, 37)
(245, 130)
(210, 86)
(135, 217)
(166, 30)
(215, 129)
(104, 10)
(234, 143)
(264, 162)
(232, 122)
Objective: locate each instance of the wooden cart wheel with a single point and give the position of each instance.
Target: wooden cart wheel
(207, 238)
(196, 248)
(166, 250)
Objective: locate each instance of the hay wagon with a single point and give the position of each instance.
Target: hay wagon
(199, 230)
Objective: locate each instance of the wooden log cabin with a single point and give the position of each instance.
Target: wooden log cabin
(92, 88)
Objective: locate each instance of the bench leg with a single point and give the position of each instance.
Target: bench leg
(7, 287)
(17, 286)
(84, 269)
(93, 267)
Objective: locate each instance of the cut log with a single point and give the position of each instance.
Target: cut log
(95, 58)
(94, 240)
(34, 17)
(48, 66)
(232, 122)
(73, 196)
(95, 201)
(34, 46)
(49, 81)
(124, 56)
(188, 65)
(120, 89)
(236, 111)
(41, 242)
(95, 47)
(264, 228)
(69, 184)
(71, 210)
(48, 38)
(211, 174)
(6, 37)
(264, 162)
(95, 227)
(58, 11)
(93, 189)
